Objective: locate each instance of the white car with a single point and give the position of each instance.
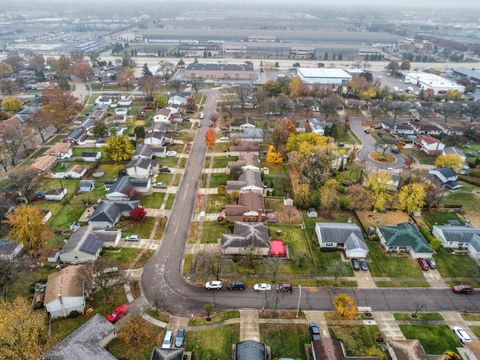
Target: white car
(132, 238)
(201, 115)
(213, 285)
(160, 185)
(262, 287)
(171, 153)
(462, 335)
(224, 138)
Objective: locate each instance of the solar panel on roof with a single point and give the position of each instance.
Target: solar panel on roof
(91, 245)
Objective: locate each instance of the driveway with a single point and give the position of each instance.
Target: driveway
(369, 145)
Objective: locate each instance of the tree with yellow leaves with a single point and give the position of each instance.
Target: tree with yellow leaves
(329, 195)
(412, 197)
(273, 157)
(295, 139)
(27, 227)
(345, 306)
(118, 148)
(21, 328)
(296, 88)
(378, 184)
(453, 161)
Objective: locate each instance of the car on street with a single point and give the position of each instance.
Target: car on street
(213, 285)
(284, 287)
(132, 238)
(201, 115)
(117, 313)
(262, 287)
(236, 285)
(167, 340)
(431, 264)
(160, 185)
(423, 264)
(462, 334)
(314, 331)
(462, 289)
(356, 265)
(180, 338)
(363, 264)
(164, 170)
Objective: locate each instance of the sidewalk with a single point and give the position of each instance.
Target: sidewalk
(318, 317)
(249, 325)
(388, 326)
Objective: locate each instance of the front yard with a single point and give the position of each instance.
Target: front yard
(285, 340)
(141, 228)
(125, 256)
(450, 265)
(213, 344)
(153, 200)
(216, 203)
(213, 231)
(215, 180)
(435, 339)
(358, 340)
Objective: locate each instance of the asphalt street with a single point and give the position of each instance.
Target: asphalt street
(164, 285)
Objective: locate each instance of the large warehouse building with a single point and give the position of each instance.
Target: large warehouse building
(438, 84)
(220, 71)
(323, 76)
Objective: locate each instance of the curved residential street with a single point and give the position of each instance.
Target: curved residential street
(163, 283)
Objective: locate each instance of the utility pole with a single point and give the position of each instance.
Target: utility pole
(299, 298)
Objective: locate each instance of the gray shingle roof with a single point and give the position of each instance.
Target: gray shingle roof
(247, 234)
(341, 233)
(141, 163)
(462, 234)
(121, 185)
(447, 172)
(94, 238)
(7, 247)
(143, 151)
(167, 354)
(251, 178)
(220, 67)
(405, 235)
(250, 350)
(110, 210)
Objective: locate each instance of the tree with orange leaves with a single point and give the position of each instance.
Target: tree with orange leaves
(345, 306)
(210, 138)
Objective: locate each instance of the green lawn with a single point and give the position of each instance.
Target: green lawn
(216, 203)
(215, 318)
(222, 161)
(164, 178)
(153, 200)
(450, 265)
(471, 316)
(285, 340)
(275, 169)
(353, 172)
(124, 256)
(213, 344)
(420, 156)
(383, 265)
(281, 184)
(435, 217)
(167, 161)
(475, 330)
(358, 340)
(468, 200)
(110, 170)
(435, 339)
(213, 231)
(221, 147)
(170, 201)
(141, 228)
(420, 316)
(77, 151)
(215, 180)
(342, 136)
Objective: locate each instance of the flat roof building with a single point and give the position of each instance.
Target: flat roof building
(471, 74)
(438, 84)
(322, 76)
(220, 71)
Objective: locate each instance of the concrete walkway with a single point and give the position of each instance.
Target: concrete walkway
(207, 217)
(364, 279)
(249, 329)
(388, 326)
(215, 171)
(318, 317)
(455, 319)
(177, 322)
(434, 278)
(208, 191)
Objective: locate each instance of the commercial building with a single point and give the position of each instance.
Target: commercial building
(220, 71)
(322, 76)
(470, 74)
(438, 84)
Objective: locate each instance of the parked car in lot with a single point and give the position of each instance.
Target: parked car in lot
(132, 238)
(314, 331)
(236, 285)
(262, 287)
(160, 185)
(164, 170)
(167, 340)
(462, 289)
(364, 264)
(462, 334)
(117, 313)
(356, 265)
(213, 285)
(423, 264)
(431, 264)
(284, 287)
(180, 338)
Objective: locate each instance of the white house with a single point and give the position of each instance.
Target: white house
(347, 236)
(459, 237)
(177, 100)
(127, 101)
(60, 150)
(103, 100)
(318, 127)
(75, 172)
(91, 156)
(66, 291)
(447, 177)
(141, 168)
(55, 194)
(163, 115)
(429, 144)
(9, 249)
(157, 139)
(86, 185)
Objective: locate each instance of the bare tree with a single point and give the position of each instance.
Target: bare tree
(107, 275)
(273, 268)
(211, 262)
(40, 124)
(166, 69)
(10, 140)
(150, 85)
(24, 181)
(196, 85)
(418, 306)
(243, 93)
(8, 274)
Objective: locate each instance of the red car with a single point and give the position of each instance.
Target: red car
(462, 289)
(423, 264)
(117, 313)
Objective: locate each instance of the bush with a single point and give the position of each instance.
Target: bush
(74, 314)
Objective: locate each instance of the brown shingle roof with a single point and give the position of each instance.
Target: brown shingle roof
(44, 163)
(70, 281)
(58, 148)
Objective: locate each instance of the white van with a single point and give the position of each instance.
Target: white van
(167, 340)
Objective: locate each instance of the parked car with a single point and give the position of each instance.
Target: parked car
(132, 238)
(185, 120)
(284, 287)
(117, 313)
(167, 340)
(423, 264)
(462, 289)
(171, 153)
(355, 265)
(363, 264)
(431, 264)
(164, 170)
(262, 287)
(236, 285)
(201, 115)
(160, 185)
(180, 338)
(462, 334)
(314, 331)
(213, 285)
(224, 138)
(366, 131)
(394, 151)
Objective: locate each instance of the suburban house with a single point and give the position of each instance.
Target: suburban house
(250, 207)
(459, 237)
(9, 249)
(178, 98)
(427, 129)
(141, 168)
(107, 213)
(404, 237)
(240, 123)
(162, 127)
(249, 134)
(103, 100)
(143, 152)
(60, 150)
(163, 115)
(347, 236)
(8, 202)
(77, 136)
(249, 181)
(250, 350)
(66, 290)
(44, 163)
(75, 172)
(167, 354)
(318, 127)
(333, 349)
(99, 112)
(86, 243)
(429, 145)
(407, 350)
(455, 151)
(55, 194)
(86, 185)
(157, 138)
(87, 124)
(246, 161)
(245, 147)
(400, 129)
(446, 176)
(86, 342)
(91, 156)
(125, 187)
(247, 237)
